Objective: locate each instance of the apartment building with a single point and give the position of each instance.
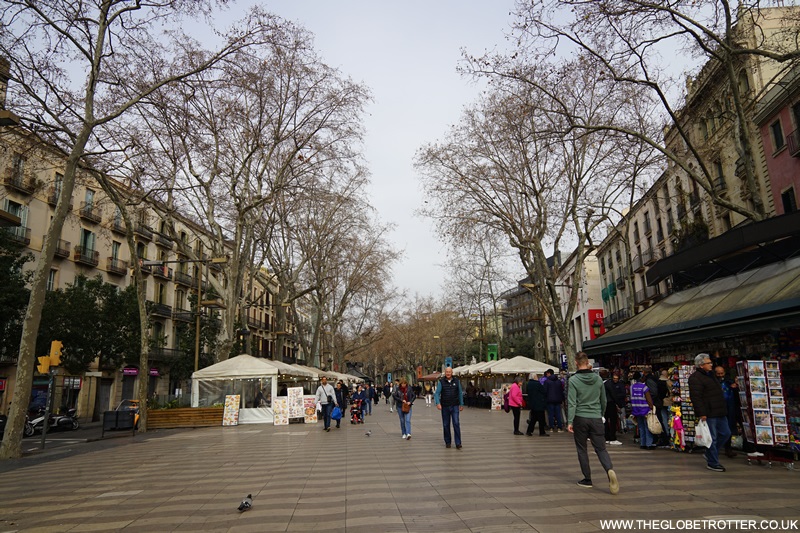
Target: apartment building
(93, 242)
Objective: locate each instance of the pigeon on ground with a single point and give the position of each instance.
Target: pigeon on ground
(246, 504)
(368, 433)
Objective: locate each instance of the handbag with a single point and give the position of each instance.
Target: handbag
(336, 414)
(406, 408)
(702, 435)
(653, 424)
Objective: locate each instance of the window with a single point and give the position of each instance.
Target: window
(180, 297)
(17, 168)
(58, 185)
(18, 210)
(777, 135)
(115, 246)
(87, 240)
(161, 293)
(52, 282)
(141, 251)
(744, 82)
(789, 201)
(89, 198)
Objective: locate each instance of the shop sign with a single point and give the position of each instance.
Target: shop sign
(154, 372)
(72, 382)
(2, 384)
(130, 371)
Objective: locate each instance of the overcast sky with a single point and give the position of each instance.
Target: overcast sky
(406, 52)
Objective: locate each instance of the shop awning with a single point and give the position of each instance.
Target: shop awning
(761, 299)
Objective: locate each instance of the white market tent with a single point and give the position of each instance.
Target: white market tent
(244, 375)
(521, 365)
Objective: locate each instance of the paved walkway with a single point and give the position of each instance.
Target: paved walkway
(303, 479)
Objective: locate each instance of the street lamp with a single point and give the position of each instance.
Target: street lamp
(212, 304)
(597, 327)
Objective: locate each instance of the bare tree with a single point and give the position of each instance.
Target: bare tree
(633, 41)
(516, 166)
(74, 67)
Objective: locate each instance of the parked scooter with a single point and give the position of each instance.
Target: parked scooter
(68, 421)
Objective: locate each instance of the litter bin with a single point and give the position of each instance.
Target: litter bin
(118, 421)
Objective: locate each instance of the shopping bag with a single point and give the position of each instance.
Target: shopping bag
(336, 414)
(653, 423)
(702, 435)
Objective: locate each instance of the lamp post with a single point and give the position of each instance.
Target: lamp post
(597, 327)
(200, 303)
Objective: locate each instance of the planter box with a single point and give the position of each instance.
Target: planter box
(185, 417)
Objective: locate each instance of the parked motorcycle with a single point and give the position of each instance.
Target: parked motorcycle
(68, 421)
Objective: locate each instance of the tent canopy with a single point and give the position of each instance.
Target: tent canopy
(521, 365)
(240, 367)
(431, 377)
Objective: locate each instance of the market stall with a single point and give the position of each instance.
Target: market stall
(521, 365)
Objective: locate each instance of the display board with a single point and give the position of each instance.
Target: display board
(295, 397)
(687, 410)
(230, 416)
(310, 409)
(280, 407)
(763, 403)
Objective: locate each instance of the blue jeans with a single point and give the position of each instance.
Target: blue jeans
(367, 407)
(554, 414)
(326, 414)
(720, 433)
(405, 420)
(451, 414)
(645, 437)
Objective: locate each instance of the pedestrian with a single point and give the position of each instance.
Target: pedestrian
(708, 402)
(326, 398)
(394, 389)
(449, 399)
(428, 394)
(260, 400)
(537, 404)
(404, 399)
(339, 401)
(664, 391)
(515, 402)
(615, 400)
(641, 405)
(586, 398)
(472, 395)
(729, 392)
(555, 397)
(369, 397)
(387, 394)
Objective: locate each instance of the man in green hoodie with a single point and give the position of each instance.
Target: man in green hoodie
(586, 398)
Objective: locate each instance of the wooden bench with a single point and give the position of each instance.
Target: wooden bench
(187, 417)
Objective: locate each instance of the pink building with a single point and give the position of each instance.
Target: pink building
(778, 117)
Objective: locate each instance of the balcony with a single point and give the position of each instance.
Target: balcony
(20, 184)
(182, 278)
(116, 266)
(182, 315)
(52, 197)
(620, 283)
(659, 235)
(20, 234)
(144, 231)
(719, 184)
(793, 140)
(162, 272)
(636, 238)
(611, 319)
(161, 310)
(164, 241)
(694, 199)
(164, 354)
(90, 212)
(117, 226)
(637, 264)
(646, 294)
(86, 256)
(255, 323)
(62, 247)
(650, 256)
(146, 269)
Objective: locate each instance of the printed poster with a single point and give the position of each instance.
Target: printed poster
(230, 416)
(310, 409)
(280, 408)
(497, 399)
(295, 397)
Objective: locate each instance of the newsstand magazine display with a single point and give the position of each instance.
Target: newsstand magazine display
(683, 399)
(764, 416)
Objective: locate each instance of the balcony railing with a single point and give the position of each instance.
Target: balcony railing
(659, 235)
(793, 139)
(62, 247)
(182, 315)
(162, 272)
(637, 264)
(649, 256)
(20, 234)
(143, 231)
(720, 184)
(117, 266)
(164, 354)
(20, 184)
(255, 323)
(184, 279)
(162, 310)
(117, 226)
(163, 240)
(86, 256)
(52, 197)
(620, 283)
(90, 212)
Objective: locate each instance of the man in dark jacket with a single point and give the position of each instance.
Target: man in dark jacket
(449, 399)
(554, 391)
(615, 400)
(708, 401)
(537, 404)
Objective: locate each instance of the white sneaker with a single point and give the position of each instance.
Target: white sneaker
(404, 435)
(614, 443)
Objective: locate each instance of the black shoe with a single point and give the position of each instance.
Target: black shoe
(446, 445)
(458, 446)
(585, 483)
(529, 434)
(544, 434)
(518, 433)
(718, 468)
(652, 447)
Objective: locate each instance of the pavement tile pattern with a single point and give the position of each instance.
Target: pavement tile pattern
(304, 479)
